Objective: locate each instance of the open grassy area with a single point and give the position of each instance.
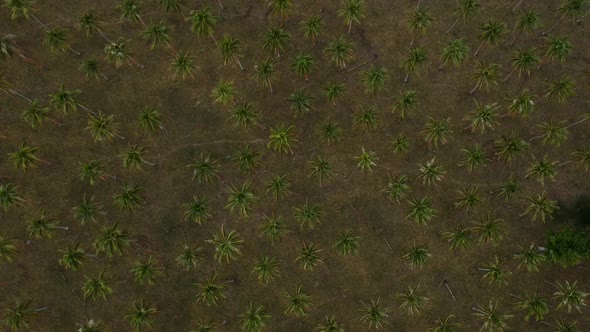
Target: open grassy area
(305, 165)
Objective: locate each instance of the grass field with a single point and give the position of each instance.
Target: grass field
(234, 176)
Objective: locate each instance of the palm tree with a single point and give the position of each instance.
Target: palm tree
(308, 256)
(523, 104)
(455, 52)
(352, 11)
(339, 50)
(374, 79)
(347, 243)
(205, 326)
(417, 256)
(116, 51)
(542, 169)
(72, 257)
(302, 64)
(265, 73)
(7, 249)
(309, 214)
(158, 34)
(149, 119)
(406, 103)
(231, 50)
(275, 40)
(468, 198)
(541, 206)
(273, 228)
(87, 210)
(190, 256)
(279, 186)
(183, 65)
(266, 269)
(57, 40)
(509, 188)
(281, 139)
(97, 287)
(569, 296)
(42, 226)
(19, 8)
(374, 314)
(210, 290)
(36, 113)
(366, 119)
(400, 144)
(281, 7)
(140, 315)
(563, 326)
(581, 156)
(102, 127)
(321, 169)
(312, 27)
(446, 325)
(558, 48)
(528, 22)
(297, 303)
(484, 76)
(300, 101)
(7, 47)
(397, 188)
(490, 229)
(331, 131)
(492, 319)
(9, 196)
(227, 245)
(495, 273)
(419, 21)
(465, 9)
(17, 316)
(244, 115)
(146, 271)
(562, 88)
(206, 169)
(412, 62)
(570, 10)
(130, 11)
(134, 158)
(203, 22)
(491, 33)
(25, 158)
(333, 90)
(530, 258)
(172, 5)
(552, 132)
(533, 305)
(241, 199)
(475, 157)
(412, 300)
(65, 100)
(458, 239)
(92, 68)
(330, 325)
(90, 325)
(483, 117)
(224, 92)
(421, 210)
(366, 160)
(88, 22)
(254, 319)
(92, 171)
(523, 60)
(198, 210)
(430, 172)
(436, 131)
(129, 197)
(112, 240)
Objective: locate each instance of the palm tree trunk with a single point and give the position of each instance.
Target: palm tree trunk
(270, 86)
(172, 49)
(577, 122)
(53, 121)
(474, 88)
(412, 42)
(510, 74)
(349, 27)
(517, 5)
(550, 29)
(132, 59)
(407, 77)
(74, 51)
(117, 134)
(449, 289)
(477, 51)
(103, 76)
(16, 93)
(147, 162)
(103, 35)
(86, 109)
(220, 5)
(39, 21)
(239, 63)
(452, 26)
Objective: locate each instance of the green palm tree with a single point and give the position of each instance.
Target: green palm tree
(205, 326)
(302, 64)
(569, 296)
(333, 90)
(309, 214)
(490, 229)
(7, 249)
(183, 65)
(581, 156)
(339, 50)
(140, 316)
(281, 7)
(91, 68)
(112, 240)
(523, 104)
(92, 171)
(203, 22)
(412, 301)
(491, 33)
(508, 147)
(455, 52)
(308, 256)
(523, 60)
(347, 243)
(331, 131)
(97, 287)
(321, 169)
(421, 210)
(281, 139)
(25, 157)
(273, 228)
(351, 12)
(572, 11)
(224, 93)
(231, 50)
(129, 197)
(483, 117)
(560, 88)
(366, 160)
(414, 59)
(72, 257)
(130, 11)
(275, 40)
(541, 206)
(87, 210)
(528, 22)
(406, 103)
(198, 210)
(36, 113)
(206, 169)
(492, 319)
(397, 188)
(279, 186)
(530, 258)
(17, 317)
(210, 291)
(88, 22)
(430, 172)
(542, 169)
(300, 101)
(149, 119)
(445, 325)
(172, 5)
(366, 119)
(330, 325)
(553, 132)
(509, 188)
(475, 157)
(90, 325)
(495, 273)
(244, 115)
(102, 127)
(65, 100)
(374, 315)
(7, 47)
(266, 269)
(558, 48)
(57, 40)
(297, 303)
(190, 257)
(9, 196)
(266, 73)
(146, 271)
(533, 305)
(484, 76)
(374, 79)
(134, 158)
(419, 21)
(417, 256)
(312, 27)
(227, 245)
(159, 34)
(459, 239)
(241, 199)
(116, 52)
(19, 8)
(254, 319)
(469, 198)
(465, 9)
(42, 226)
(436, 131)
